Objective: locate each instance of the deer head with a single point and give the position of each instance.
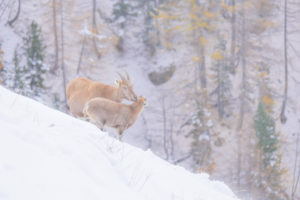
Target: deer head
(126, 87)
(142, 100)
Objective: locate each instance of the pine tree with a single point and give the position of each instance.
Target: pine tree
(150, 33)
(123, 10)
(201, 139)
(18, 81)
(35, 68)
(269, 179)
(265, 132)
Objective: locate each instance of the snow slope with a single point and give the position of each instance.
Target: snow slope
(45, 154)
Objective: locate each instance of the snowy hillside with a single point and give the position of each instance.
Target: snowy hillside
(45, 154)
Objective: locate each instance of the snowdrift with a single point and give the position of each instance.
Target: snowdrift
(46, 154)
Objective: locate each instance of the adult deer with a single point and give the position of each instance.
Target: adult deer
(104, 112)
(81, 90)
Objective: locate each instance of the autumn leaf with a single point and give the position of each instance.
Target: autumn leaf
(178, 27)
(263, 74)
(203, 41)
(196, 59)
(217, 56)
(227, 7)
(208, 14)
(268, 100)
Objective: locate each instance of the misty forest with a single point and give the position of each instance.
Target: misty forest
(221, 78)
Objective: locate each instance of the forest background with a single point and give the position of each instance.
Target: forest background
(221, 77)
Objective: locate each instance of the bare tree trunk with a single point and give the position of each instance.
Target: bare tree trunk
(219, 94)
(81, 55)
(95, 30)
(296, 172)
(202, 69)
(171, 140)
(3, 8)
(164, 115)
(242, 100)
(220, 89)
(239, 162)
(146, 133)
(56, 49)
(282, 114)
(233, 38)
(243, 89)
(10, 22)
(62, 52)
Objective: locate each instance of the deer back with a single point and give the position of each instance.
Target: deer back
(80, 90)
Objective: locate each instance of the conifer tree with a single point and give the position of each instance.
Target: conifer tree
(35, 68)
(202, 139)
(270, 173)
(123, 10)
(18, 81)
(268, 144)
(149, 8)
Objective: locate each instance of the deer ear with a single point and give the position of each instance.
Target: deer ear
(117, 82)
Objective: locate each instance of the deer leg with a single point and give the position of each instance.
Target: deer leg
(120, 134)
(85, 118)
(100, 125)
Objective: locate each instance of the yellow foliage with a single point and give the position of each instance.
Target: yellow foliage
(211, 76)
(178, 27)
(211, 27)
(201, 24)
(194, 17)
(267, 23)
(95, 31)
(191, 1)
(189, 28)
(168, 5)
(268, 100)
(196, 8)
(217, 56)
(263, 74)
(203, 41)
(208, 14)
(248, 4)
(203, 91)
(162, 15)
(278, 133)
(227, 7)
(194, 5)
(156, 24)
(1, 54)
(168, 45)
(196, 59)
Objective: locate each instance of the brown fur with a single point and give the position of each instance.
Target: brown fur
(104, 112)
(80, 90)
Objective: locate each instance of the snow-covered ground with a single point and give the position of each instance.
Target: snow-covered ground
(46, 154)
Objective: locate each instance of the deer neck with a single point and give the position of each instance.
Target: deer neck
(137, 108)
(119, 95)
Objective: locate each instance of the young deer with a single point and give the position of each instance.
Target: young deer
(104, 112)
(81, 90)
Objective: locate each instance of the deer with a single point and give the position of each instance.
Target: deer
(81, 90)
(104, 112)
